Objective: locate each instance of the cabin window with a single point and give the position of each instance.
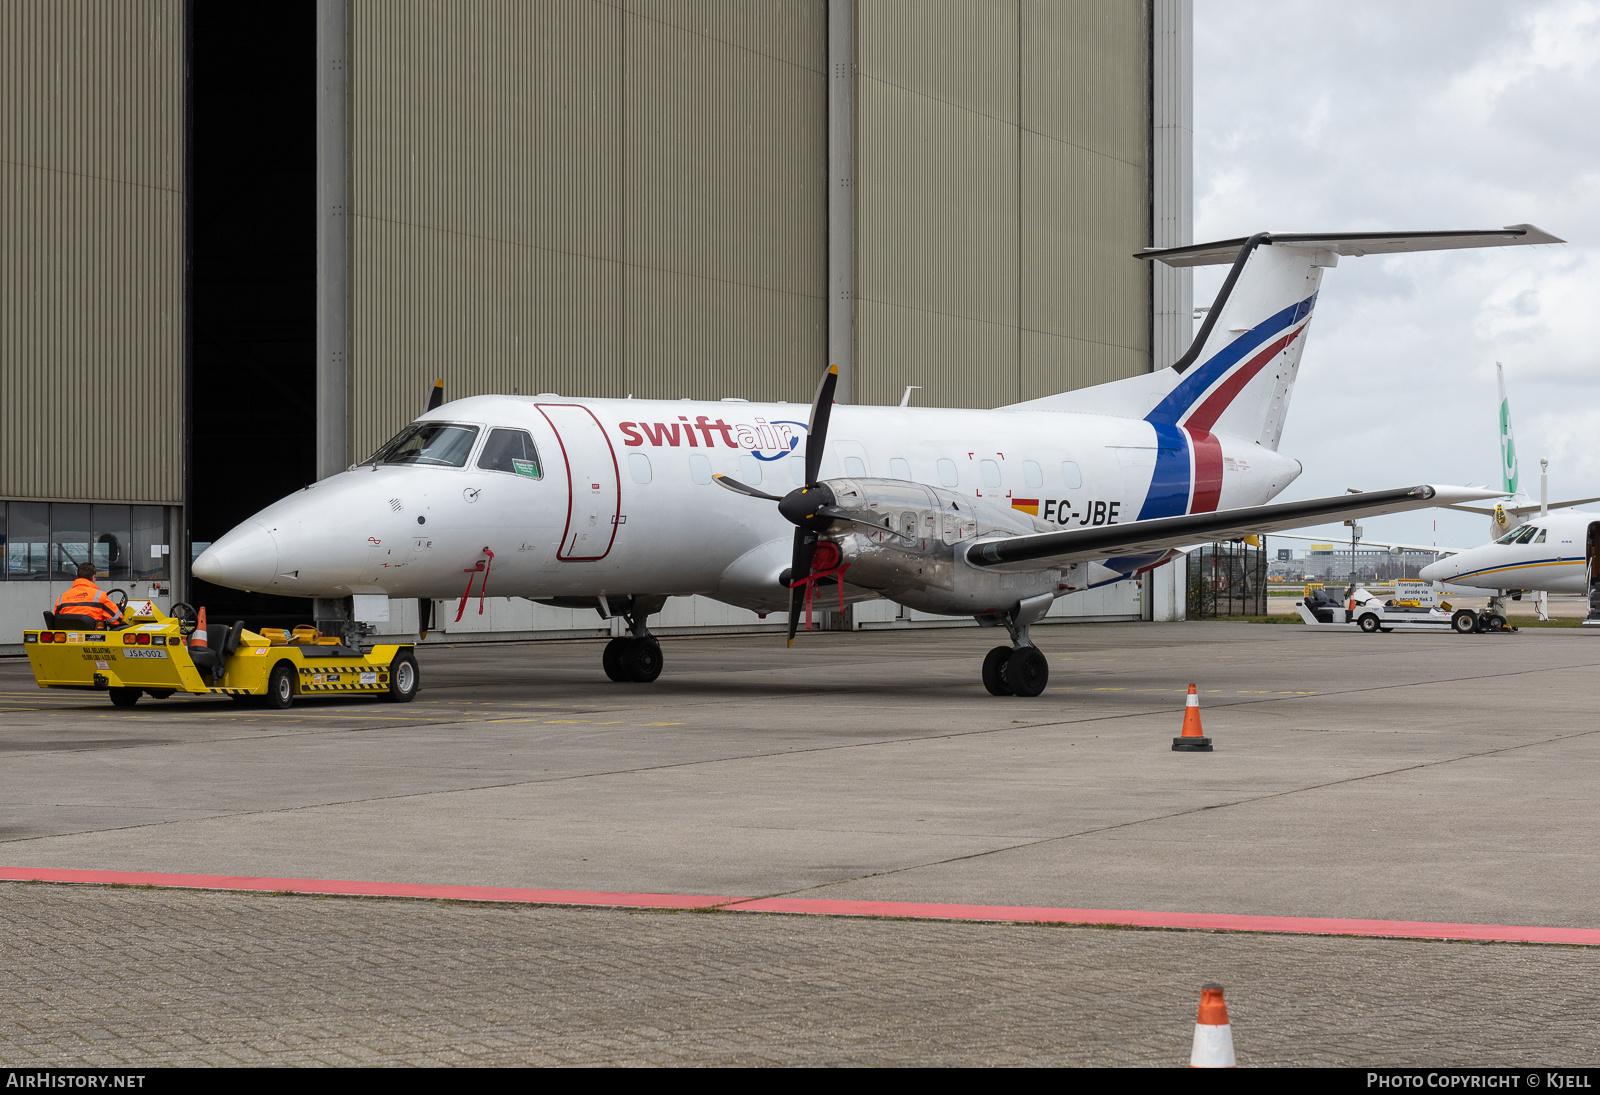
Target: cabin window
(1071, 477)
(899, 469)
(797, 470)
(855, 466)
(639, 467)
(990, 472)
(947, 473)
(750, 471)
(699, 468)
(1032, 473)
(512, 451)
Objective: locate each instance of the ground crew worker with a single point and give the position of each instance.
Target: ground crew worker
(83, 598)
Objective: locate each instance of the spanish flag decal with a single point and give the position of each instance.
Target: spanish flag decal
(1026, 505)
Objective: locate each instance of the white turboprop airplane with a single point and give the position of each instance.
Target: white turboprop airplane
(991, 514)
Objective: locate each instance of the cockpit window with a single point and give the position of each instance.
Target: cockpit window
(438, 443)
(1539, 539)
(513, 451)
(1527, 537)
(1511, 537)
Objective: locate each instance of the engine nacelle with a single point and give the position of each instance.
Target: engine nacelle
(917, 560)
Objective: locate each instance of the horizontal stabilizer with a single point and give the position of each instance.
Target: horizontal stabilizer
(1354, 243)
(1164, 533)
(1528, 510)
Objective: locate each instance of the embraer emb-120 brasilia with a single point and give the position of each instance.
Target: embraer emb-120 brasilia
(993, 514)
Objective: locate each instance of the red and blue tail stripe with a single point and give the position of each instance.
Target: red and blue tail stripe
(1188, 472)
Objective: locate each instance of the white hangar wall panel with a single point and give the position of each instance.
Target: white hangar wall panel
(584, 197)
(1003, 188)
(91, 248)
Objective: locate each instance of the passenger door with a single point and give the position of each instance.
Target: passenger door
(594, 493)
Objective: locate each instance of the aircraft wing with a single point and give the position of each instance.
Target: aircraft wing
(1164, 533)
(1356, 243)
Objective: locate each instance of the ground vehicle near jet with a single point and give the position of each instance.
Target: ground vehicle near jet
(154, 654)
(606, 503)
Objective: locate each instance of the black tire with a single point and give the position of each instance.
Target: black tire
(405, 679)
(1495, 623)
(280, 687)
(159, 693)
(611, 658)
(1464, 621)
(1368, 622)
(244, 699)
(1026, 672)
(994, 664)
(125, 697)
(642, 660)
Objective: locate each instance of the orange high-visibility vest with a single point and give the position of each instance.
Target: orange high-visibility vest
(83, 598)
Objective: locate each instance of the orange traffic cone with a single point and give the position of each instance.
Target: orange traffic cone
(1213, 1037)
(1192, 739)
(199, 636)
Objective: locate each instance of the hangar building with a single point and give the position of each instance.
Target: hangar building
(242, 242)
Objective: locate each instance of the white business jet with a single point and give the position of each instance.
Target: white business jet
(1533, 549)
(993, 514)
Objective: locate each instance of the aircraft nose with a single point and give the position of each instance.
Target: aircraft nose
(246, 558)
(1434, 572)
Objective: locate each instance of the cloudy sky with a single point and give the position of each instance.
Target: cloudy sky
(1419, 114)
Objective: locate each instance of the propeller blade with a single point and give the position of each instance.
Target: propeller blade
(740, 488)
(805, 547)
(436, 396)
(817, 434)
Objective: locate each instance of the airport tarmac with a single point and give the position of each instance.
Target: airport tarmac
(1396, 777)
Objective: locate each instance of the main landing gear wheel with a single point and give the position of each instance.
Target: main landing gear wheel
(642, 660)
(611, 658)
(994, 663)
(1465, 621)
(1026, 672)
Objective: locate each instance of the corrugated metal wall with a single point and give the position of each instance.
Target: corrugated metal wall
(584, 197)
(91, 249)
(1003, 148)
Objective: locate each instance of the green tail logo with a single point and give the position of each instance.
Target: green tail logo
(1509, 475)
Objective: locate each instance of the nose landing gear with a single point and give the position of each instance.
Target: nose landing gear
(1020, 669)
(635, 657)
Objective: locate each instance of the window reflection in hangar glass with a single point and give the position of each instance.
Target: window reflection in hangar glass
(1071, 477)
(436, 443)
(512, 451)
(639, 467)
(990, 471)
(947, 473)
(899, 469)
(699, 468)
(855, 466)
(28, 541)
(1032, 474)
(70, 537)
(151, 552)
(113, 541)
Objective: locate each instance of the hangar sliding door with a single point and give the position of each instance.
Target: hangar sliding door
(593, 487)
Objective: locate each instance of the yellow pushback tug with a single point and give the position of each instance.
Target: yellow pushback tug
(153, 654)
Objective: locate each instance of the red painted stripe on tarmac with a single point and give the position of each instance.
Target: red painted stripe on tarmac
(248, 883)
(1128, 918)
(909, 910)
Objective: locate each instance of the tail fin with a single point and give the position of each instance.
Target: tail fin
(1238, 375)
(1509, 475)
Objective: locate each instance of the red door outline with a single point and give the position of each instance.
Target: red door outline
(572, 487)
